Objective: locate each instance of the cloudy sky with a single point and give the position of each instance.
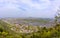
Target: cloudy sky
(29, 8)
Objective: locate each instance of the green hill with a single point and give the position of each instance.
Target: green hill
(6, 32)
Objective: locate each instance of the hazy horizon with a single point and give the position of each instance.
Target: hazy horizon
(29, 8)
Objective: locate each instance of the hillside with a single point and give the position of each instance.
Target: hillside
(15, 30)
(6, 32)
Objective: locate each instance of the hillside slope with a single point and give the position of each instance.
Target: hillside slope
(43, 32)
(6, 32)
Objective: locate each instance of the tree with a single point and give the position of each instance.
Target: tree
(57, 16)
(1, 29)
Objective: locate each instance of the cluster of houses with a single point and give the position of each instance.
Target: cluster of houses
(24, 28)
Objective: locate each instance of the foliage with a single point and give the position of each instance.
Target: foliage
(53, 32)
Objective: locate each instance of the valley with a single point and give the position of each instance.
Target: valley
(28, 27)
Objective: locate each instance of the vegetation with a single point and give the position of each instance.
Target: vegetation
(43, 32)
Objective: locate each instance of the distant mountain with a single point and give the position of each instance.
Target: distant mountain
(31, 21)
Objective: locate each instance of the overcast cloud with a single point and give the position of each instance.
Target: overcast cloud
(28, 8)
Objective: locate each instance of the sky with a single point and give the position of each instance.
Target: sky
(29, 8)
